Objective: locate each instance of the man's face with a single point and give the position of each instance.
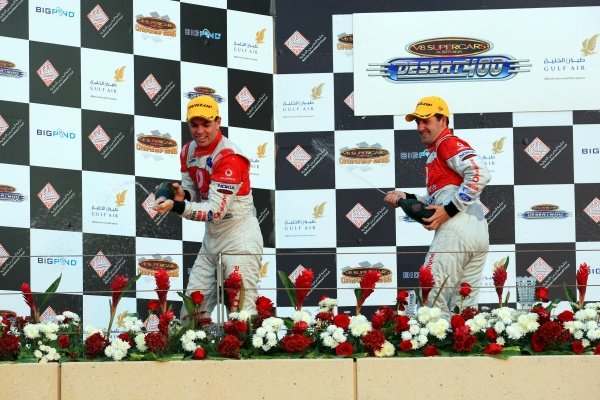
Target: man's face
(203, 131)
(430, 128)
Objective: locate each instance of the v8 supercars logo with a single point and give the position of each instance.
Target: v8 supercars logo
(449, 59)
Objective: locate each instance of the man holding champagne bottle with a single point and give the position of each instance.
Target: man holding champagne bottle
(455, 178)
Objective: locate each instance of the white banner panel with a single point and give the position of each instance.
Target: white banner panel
(527, 60)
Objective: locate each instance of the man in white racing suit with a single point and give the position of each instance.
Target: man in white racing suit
(455, 178)
(215, 188)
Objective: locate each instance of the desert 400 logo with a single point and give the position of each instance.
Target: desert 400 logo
(449, 59)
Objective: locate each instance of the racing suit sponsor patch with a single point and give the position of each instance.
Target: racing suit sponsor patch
(224, 188)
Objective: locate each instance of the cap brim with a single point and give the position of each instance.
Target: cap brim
(412, 117)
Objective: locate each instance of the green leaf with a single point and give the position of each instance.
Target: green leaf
(553, 304)
(506, 262)
(289, 287)
(570, 296)
(507, 298)
(128, 286)
(357, 294)
(190, 307)
(50, 292)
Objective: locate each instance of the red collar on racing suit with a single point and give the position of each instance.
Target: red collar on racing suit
(438, 173)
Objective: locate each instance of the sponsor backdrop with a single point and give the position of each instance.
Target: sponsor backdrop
(91, 119)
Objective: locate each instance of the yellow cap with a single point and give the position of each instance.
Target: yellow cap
(429, 106)
(203, 107)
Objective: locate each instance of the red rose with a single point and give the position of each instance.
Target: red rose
(431, 351)
(541, 293)
(456, 321)
(199, 354)
(341, 321)
(402, 323)
(402, 296)
(577, 347)
(344, 349)
(241, 326)
(64, 342)
(324, 316)
(229, 327)
(300, 327)
(405, 345)
(197, 297)
(597, 349)
(491, 334)
(153, 305)
(493, 349)
(465, 289)
(566, 316)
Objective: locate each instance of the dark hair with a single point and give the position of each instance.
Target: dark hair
(440, 116)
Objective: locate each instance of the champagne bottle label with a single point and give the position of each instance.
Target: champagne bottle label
(415, 209)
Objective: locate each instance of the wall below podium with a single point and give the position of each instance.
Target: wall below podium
(533, 377)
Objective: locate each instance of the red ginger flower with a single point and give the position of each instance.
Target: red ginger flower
(229, 346)
(153, 305)
(26, 291)
(367, 287)
(162, 287)
(295, 343)
(164, 320)
(582, 277)
(426, 282)
(233, 285)
(117, 286)
(499, 277)
(303, 285)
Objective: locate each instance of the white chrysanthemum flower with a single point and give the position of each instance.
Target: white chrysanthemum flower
(434, 312)
(359, 325)
(140, 342)
(257, 342)
(302, 316)
(439, 328)
(499, 327)
(31, 331)
(339, 335)
(591, 325)
(71, 315)
(406, 335)
(513, 331)
(200, 335)
(414, 329)
(593, 335)
(585, 314)
(585, 343)
(117, 350)
(578, 335)
(424, 315)
(60, 318)
(415, 344)
(504, 314)
(422, 340)
(501, 341)
(244, 315)
(132, 324)
(387, 350)
(38, 354)
(593, 306)
(330, 342)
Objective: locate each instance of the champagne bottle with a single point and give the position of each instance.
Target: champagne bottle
(415, 209)
(165, 190)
